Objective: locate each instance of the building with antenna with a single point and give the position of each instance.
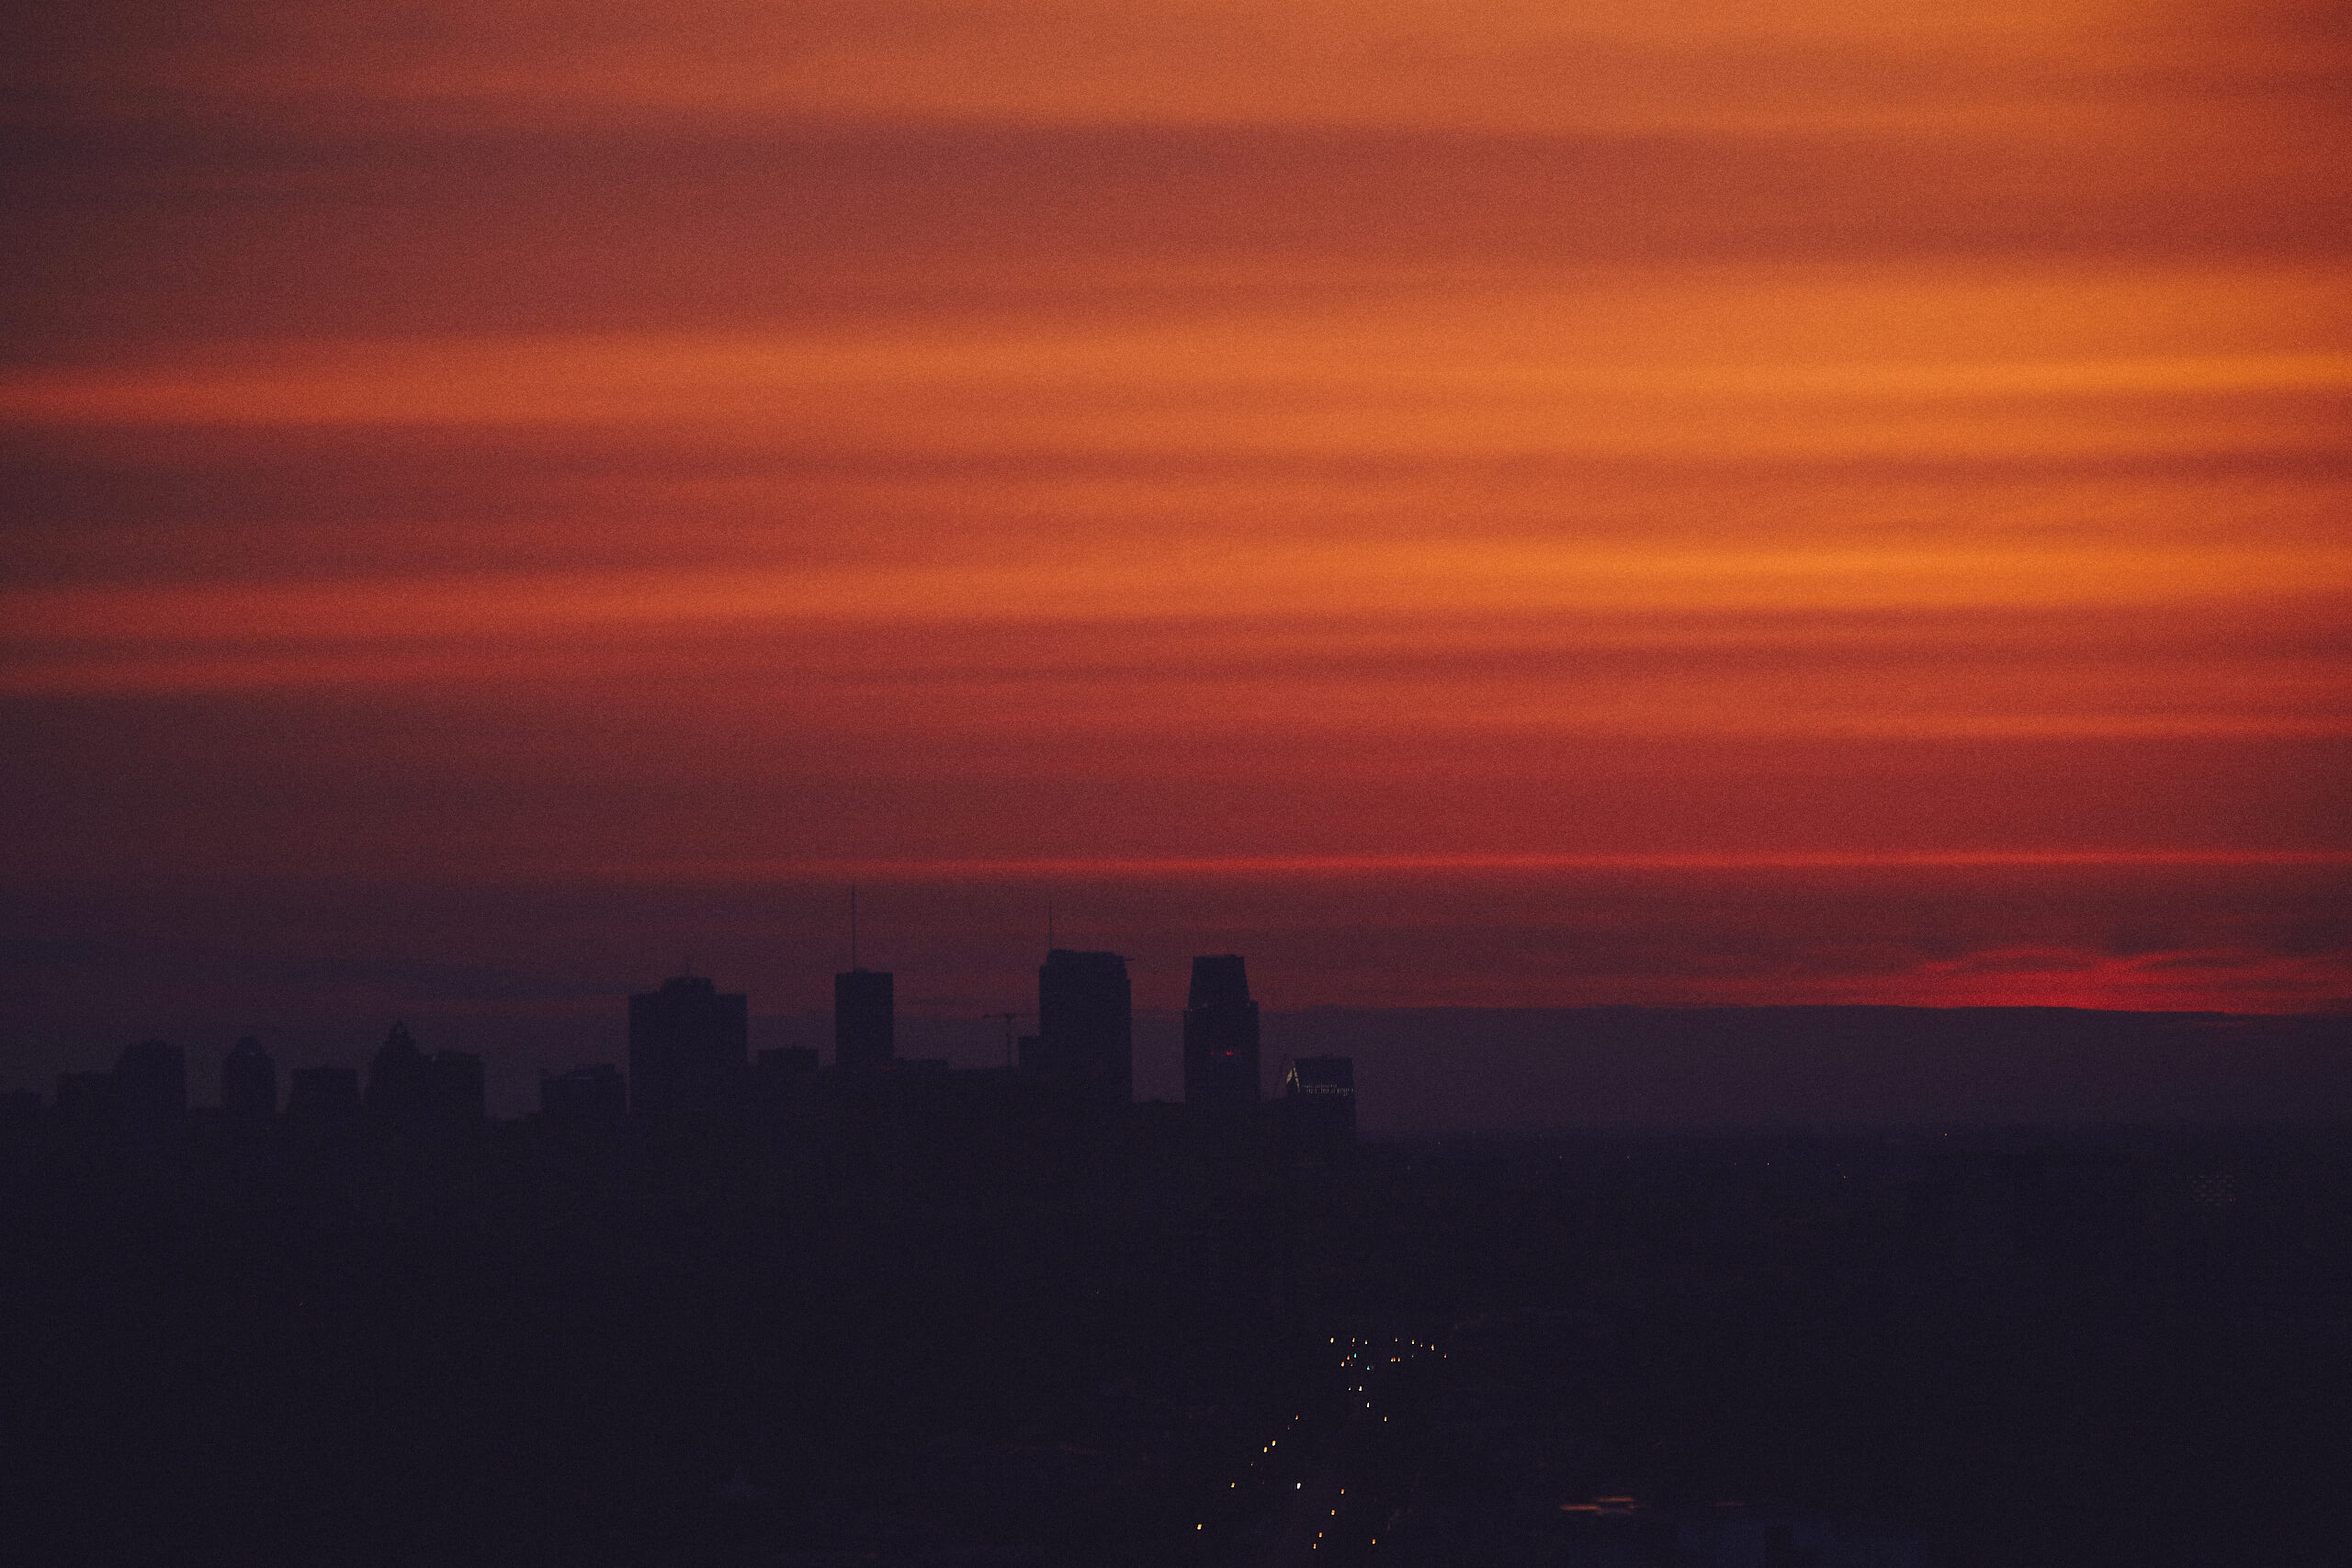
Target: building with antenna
(1220, 1034)
(865, 1018)
(1086, 1024)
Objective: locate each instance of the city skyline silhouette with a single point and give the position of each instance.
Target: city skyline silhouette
(686, 1044)
(766, 1306)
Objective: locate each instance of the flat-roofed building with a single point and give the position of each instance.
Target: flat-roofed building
(1086, 1024)
(689, 1047)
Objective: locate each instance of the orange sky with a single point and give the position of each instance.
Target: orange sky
(532, 445)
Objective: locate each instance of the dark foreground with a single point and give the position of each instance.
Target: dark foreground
(901, 1332)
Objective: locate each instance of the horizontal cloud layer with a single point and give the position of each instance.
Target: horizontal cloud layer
(748, 445)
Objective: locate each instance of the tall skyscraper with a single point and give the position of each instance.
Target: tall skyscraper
(249, 1082)
(689, 1045)
(1086, 1023)
(1220, 1034)
(864, 1020)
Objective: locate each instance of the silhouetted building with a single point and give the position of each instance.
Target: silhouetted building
(1220, 1034)
(864, 1020)
(454, 1091)
(399, 1083)
(688, 1046)
(315, 1096)
(152, 1077)
(1086, 1024)
(249, 1082)
(1319, 1101)
(88, 1102)
(584, 1096)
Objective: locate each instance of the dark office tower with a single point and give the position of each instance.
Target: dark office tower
(400, 1089)
(688, 1047)
(1086, 1023)
(865, 1025)
(154, 1095)
(1319, 1101)
(1220, 1034)
(249, 1082)
(317, 1096)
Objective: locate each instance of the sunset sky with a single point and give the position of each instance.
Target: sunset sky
(1495, 503)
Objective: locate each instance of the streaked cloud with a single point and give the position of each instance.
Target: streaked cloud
(1500, 62)
(1062, 440)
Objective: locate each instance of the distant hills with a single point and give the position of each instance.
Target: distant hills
(1433, 1069)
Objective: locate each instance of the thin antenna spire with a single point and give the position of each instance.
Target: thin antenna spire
(1049, 923)
(852, 925)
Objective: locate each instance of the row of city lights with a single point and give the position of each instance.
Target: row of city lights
(1359, 1358)
(1359, 1350)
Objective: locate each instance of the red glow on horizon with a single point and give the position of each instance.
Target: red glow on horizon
(1191, 867)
